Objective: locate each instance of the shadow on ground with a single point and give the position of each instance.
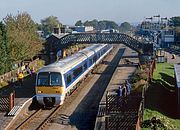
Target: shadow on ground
(84, 116)
(25, 91)
(169, 79)
(162, 98)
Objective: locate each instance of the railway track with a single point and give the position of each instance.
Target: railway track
(41, 118)
(83, 115)
(29, 119)
(38, 120)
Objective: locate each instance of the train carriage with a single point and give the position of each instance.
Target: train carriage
(57, 80)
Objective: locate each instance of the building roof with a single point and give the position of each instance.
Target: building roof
(59, 36)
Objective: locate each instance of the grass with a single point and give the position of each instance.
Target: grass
(160, 100)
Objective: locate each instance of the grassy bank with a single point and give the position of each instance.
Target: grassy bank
(160, 100)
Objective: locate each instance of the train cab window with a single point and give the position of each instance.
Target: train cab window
(55, 79)
(43, 79)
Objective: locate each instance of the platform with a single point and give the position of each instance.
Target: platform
(122, 73)
(23, 98)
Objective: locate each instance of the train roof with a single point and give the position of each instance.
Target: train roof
(177, 72)
(69, 62)
(90, 50)
(64, 64)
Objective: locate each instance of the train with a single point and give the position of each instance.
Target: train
(57, 80)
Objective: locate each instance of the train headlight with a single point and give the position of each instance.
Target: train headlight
(39, 91)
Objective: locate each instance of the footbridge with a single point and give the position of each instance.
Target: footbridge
(110, 38)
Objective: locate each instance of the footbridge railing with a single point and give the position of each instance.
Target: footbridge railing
(110, 38)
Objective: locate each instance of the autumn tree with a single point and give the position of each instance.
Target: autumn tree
(22, 36)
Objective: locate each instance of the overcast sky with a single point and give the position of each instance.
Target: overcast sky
(69, 11)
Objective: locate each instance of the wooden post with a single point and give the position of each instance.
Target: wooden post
(11, 100)
(107, 103)
(106, 123)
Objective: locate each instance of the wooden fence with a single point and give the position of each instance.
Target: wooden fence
(124, 113)
(7, 102)
(11, 76)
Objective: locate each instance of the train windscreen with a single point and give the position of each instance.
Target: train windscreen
(49, 79)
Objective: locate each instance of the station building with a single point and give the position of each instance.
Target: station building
(166, 38)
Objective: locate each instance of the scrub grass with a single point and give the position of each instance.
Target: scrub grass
(160, 99)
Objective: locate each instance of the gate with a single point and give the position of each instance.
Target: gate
(7, 102)
(123, 113)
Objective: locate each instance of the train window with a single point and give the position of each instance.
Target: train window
(68, 79)
(77, 71)
(55, 79)
(43, 79)
(85, 66)
(98, 55)
(90, 62)
(94, 58)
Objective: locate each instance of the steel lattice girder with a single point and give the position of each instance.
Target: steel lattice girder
(111, 38)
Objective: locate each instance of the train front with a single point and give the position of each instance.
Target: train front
(49, 89)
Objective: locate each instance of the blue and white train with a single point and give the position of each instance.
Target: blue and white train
(55, 81)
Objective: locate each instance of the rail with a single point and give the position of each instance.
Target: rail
(23, 124)
(45, 122)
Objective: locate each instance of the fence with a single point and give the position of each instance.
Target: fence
(150, 70)
(7, 102)
(124, 113)
(11, 76)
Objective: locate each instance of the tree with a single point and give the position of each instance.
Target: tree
(175, 21)
(93, 23)
(49, 23)
(79, 23)
(101, 25)
(4, 50)
(125, 27)
(24, 42)
(111, 25)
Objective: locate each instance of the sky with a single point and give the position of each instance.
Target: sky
(70, 11)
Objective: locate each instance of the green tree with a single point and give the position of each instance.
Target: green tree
(24, 42)
(175, 21)
(125, 27)
(4, 50)
(101, 25)
(79, 23)
(93, 23)
(49, 23)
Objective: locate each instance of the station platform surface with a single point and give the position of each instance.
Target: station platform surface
(22, 95)
(126, 67)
